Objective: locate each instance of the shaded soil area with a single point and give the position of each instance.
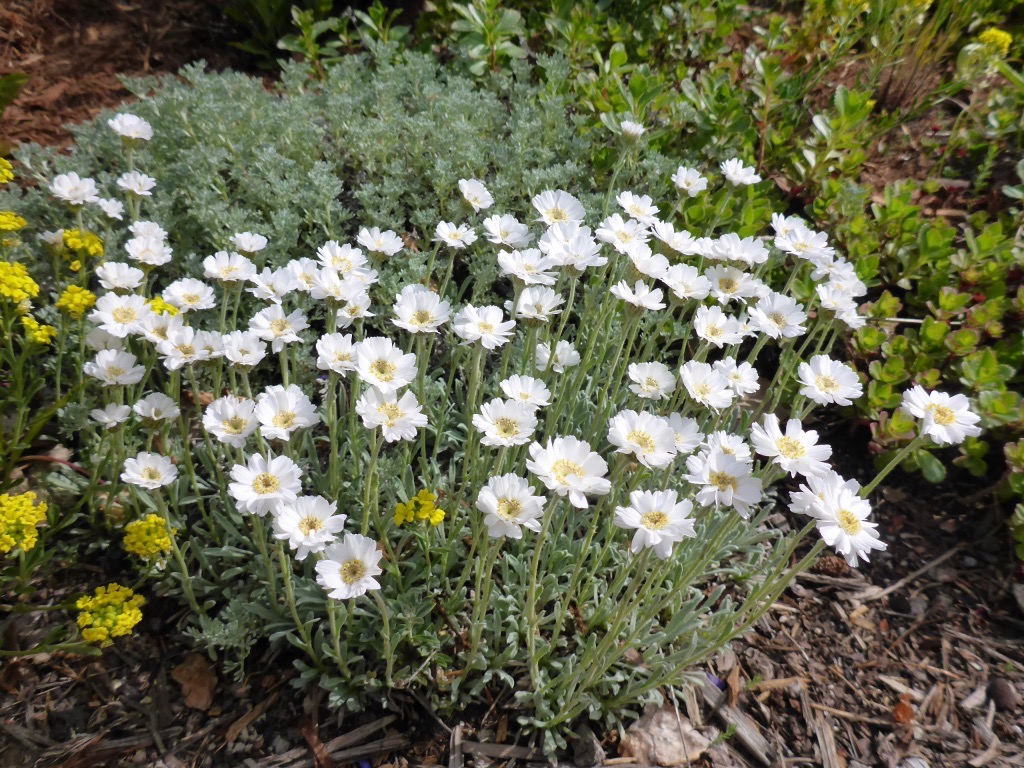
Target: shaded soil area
(918, 656)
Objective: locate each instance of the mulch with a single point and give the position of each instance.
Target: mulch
(914, 660)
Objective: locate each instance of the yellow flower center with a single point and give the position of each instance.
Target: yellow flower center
(509, 509)
(421, 317)
(284, 419)
(943, 416)
(651, 383)
(342, 357)
(352, 571)
(642, 439)
(790, 448)
(713, 331)
(309, 524)
(702, 391)
(190, 298)
(723, 481)
(115, 372)
(727, 285)
(124, 315)
(557, 214)
(562, 468)
(827, 384)
(151, 473)
(506, 427)
(265, 483)
(778, 319)
(486, 328)
(383, 370)
(849, 522)
(279, 326)
(654, 521)
(234, 425)
(187, 350)
(391, 412)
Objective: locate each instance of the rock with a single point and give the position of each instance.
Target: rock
(587, 751)
(1002, 692)
(663, 737)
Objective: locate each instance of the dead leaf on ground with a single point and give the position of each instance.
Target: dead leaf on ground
(903, 713)
(665, 738)
(197, 680)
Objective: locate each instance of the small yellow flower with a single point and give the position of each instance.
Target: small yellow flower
(421, 507)
(148, 537)
(83, 243)
(19, 516)
(112, 611)
(6, 171)
(11, 222)
(15, 283)
(36, 333)
(76, 301)
(161, 307)
(996, 41)
(75, 265)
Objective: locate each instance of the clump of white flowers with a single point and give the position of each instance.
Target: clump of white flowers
(574, 464)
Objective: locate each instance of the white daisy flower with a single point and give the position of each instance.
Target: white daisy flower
(646, 436)
(459, 237)
(157, 407)
(476, 194)
(621, 235)
(688, 434)
(731, 247)
(357, 308)
(659, 518)
(306, 271)
(151, 251)
(736, 173)
(397, 417)
(228, 267)
(348, 567)
(572, 246)
(273, 284)
(715, 327)
(640, 207)
(723, 481)
(797, 451)
(148, 229)
(706, 385)
(729, 444)
(806, 244)
(784, 225)
(73, 189)
(308, 524)
(97, 340)
(505, 422)
(686, 282)
(632, 130)
(842, 522)
(111, 415)
(829, 381)
(156, 327)
(565, 357)
(375, 241)
(248, 243)
(336, 352)
(640, 295)
(328, 285)
(528, 266)
(509, 505)
(112, 209)
(742, 377)
(118, 276)
(730, 284)
(343, 259)
(120, 315)
(272, 325)
(568, 467)
(149, 470)
(419, 310)
(506, 230)
(231, 420)
(947, 419)
(680, 242)
(189, 295)
(263, 484)
(381, 364)
(689, 180)
(183, 346)
(538, 303)
(483, 324)
(779, 316)
(282, 410)
(244, 348)
(131, 127)
(136, 183)
(526, 389)
(653, 381)
(806, 501)
(558, 206)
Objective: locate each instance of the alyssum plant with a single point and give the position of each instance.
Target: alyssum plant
(561, 498)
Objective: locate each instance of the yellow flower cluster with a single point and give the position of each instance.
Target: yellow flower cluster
(76, 301)
(996, 41)
(6, 171)
(422, 506)
(36, 333)
(111, 612)
(15, 284)
(148, 537)
(19, 516)
(11, 222)
(83, 243)
(161, 307)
